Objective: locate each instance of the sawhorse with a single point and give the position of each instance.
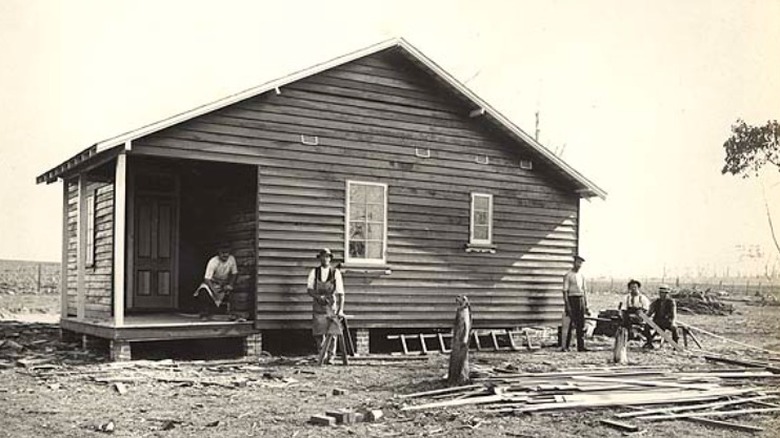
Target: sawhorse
(330, 338)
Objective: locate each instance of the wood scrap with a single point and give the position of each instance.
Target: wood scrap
(661, 332)
(620, 425)
(693, 407)
(722, 338)
(441, 391)
(710, 414)
(642, 382)
(732, 361)
(726, 424)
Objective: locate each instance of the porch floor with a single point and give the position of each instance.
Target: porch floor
(161, 327)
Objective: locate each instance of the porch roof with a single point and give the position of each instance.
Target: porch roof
(585, 187)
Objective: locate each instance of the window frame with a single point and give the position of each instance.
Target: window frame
(472, 239)
(89, 230)
(364, 261)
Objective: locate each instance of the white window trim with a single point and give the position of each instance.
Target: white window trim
(361, 261)
(489, 240)
(89, 238)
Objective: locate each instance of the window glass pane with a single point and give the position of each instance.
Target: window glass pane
(481, 203)
(357, 230)
(376, 230)
(481, 233)
(375, 213)
(375, 194)
(374, 250)
(480, 218)
(357, 194)
(357, 249)
(357, 212)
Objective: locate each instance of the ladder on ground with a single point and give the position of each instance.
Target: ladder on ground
(481, 340)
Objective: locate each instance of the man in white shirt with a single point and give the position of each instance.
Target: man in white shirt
(575, 300)
(218, 281)
(326, 287)
(633, 303)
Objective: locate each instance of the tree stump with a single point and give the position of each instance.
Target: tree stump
(459, 355)
(621, 344)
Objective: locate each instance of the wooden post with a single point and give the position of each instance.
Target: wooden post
(619, 352)
(39, 278)
(458, 373)
(65, 240)
(120, 219)
(81, 242)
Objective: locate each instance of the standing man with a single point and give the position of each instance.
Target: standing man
(664, 314)
(575, 300)
(326, 287)
(218, 281)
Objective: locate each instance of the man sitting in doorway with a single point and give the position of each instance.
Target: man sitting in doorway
(218, 282)
(664, 314)
(634, 303)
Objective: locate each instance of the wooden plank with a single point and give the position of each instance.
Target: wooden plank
(715, 405)
(731, 361)
(728, 425)
(716, 336)
(711, 414)
(449, 390)
(620, 425)
(660, 331)
(651, 383)
(64, 264)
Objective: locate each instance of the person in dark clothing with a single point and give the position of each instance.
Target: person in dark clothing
(664, 314)
(575, 300)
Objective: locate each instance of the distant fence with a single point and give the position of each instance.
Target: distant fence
(734, 286)
(29, 277)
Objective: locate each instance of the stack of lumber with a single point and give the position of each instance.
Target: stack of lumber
(651, 393)
(701, 303)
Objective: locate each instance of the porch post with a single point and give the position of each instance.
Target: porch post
(120, 219)
(65, 240)
(81, 225)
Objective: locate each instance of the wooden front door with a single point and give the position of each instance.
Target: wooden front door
(154, 261)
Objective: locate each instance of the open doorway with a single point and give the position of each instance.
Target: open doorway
(183, 210)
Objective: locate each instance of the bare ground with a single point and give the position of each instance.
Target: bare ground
(275, 397)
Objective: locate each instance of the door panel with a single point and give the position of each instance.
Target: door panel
(154, 256)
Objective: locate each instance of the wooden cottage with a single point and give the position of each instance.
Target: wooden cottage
(419, 187)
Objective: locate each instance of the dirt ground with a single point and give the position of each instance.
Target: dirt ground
(62, 391)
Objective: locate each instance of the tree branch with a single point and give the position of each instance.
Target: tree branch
(769, 219)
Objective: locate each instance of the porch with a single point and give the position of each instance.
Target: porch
(138, 328)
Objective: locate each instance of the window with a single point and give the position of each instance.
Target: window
(90, 232)
(366, 222)
(481, 232)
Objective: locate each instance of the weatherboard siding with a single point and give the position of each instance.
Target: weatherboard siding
(369, 117)
(98, 278)
(71, 242)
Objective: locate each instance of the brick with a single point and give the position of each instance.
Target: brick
(342, 417)
(322, 420)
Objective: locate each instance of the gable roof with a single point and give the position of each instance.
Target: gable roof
(109, 147)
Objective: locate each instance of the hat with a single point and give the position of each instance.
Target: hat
(325, 251)
(664, 288)
(632, 281)
(580, 258)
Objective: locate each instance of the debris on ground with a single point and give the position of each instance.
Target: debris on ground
(653, 393)
(694, 301)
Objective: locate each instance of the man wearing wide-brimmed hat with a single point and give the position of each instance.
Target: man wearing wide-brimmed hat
(326, 287)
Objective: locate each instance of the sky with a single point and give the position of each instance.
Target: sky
(637, 96)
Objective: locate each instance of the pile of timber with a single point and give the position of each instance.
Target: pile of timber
(647, 393)
(701, 303)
